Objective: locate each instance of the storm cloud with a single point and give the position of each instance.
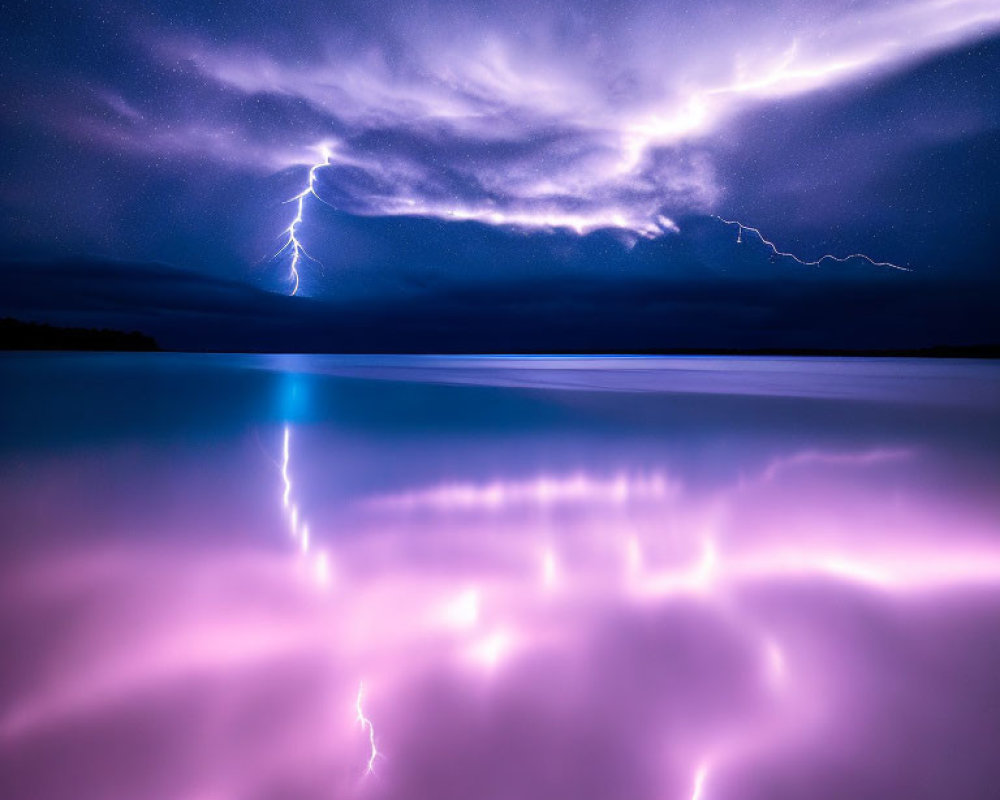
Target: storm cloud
(466, 146)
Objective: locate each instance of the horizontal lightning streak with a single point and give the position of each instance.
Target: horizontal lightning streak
(827, 257)
(298, 252)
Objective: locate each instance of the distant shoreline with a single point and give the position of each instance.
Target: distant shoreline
(938, 351)
(16, 335)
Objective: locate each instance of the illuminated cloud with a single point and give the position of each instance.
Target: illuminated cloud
(458, 609)
(681, 601)
(577, 122)
(460, 142)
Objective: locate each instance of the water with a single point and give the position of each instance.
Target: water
(436, 578)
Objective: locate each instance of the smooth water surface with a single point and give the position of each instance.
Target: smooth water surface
(489, 578)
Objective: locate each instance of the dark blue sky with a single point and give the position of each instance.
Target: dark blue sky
(503, 176)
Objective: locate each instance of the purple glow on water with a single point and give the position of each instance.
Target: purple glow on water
(243, 577)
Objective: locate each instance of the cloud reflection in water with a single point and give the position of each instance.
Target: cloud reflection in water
(589, 632)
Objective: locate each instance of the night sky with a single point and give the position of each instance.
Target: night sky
(499, 176)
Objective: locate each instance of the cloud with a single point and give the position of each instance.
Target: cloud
(181, 138)
(583, 120)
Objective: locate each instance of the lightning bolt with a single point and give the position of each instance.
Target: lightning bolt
(827, 257)
(297, 526)
(284, 470)
(366, 724)
(291, 509)
(292, 242)
(699, 782)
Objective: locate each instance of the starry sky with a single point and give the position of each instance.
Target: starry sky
(504, 176)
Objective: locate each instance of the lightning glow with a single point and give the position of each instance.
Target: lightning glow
(292, 242)
(298, 529)
(321, 568)
(710, 569)
(740, 227)
(284, 469)
(463, 611)
(366, 725)
(549, 573)
(546, 490)
(699, 782)
(549, 220)
(490, 650)
(775, 660)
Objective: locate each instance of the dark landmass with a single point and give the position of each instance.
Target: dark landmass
(660, 312)
(18, 335)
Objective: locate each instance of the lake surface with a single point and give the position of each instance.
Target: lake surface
(427, 578)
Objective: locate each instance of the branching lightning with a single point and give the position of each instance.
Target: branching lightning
(366, 724)
(740, 227)
(292, 242)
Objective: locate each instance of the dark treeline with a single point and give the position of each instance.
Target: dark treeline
(18, 335)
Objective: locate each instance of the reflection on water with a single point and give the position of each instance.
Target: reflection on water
(259, 577)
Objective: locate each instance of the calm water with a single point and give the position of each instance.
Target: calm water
(480, 579)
